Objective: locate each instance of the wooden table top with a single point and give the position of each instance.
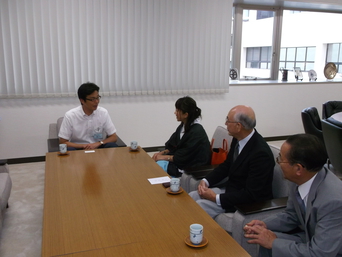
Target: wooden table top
(101, 204)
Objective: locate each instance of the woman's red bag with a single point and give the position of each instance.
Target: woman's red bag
(219, 155)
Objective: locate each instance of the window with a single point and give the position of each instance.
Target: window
(306, 47)
(334, 54)
(253, 36)
(266, 39)
(264, 14)
(302, 57)
(258, 57)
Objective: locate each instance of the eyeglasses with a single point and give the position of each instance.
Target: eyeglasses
(279, 161)
(94, 99)
(227, 121)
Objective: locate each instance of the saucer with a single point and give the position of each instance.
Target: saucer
(134, 150)
(202, 244)
(67, 153)
(174, 193)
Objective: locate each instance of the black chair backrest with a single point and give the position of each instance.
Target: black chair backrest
(331, 107)
(312, 122)
(332, 133)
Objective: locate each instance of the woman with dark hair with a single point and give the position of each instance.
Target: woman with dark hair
(189, 145)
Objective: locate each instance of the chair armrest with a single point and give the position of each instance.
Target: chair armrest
(3, 162)
(53, 130)
(200, 171)
(53, 144)
(262, 206)
(3, 167)
(120, 143)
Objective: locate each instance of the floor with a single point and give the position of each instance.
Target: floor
(21, 235)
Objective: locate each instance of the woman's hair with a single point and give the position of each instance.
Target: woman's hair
(188, 105)
(308, 150)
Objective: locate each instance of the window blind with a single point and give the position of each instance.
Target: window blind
(50, 47)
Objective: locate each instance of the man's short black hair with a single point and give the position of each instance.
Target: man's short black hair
(87, 89)
(308, 150)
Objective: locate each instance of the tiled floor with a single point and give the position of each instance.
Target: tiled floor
(21, 235)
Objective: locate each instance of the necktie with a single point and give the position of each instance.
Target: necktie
(300, 201)
(236, 152)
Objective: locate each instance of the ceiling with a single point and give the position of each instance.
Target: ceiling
(314, 5)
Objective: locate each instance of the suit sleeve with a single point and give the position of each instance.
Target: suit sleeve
(327, 239)
(286, 220)
(190, 146)
(250, 183)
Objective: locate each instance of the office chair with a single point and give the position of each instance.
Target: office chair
(332, 133)
(312, 122)
(331, 107)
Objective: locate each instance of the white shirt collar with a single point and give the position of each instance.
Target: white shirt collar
(196, 121)
(304, 189)
(244, 141)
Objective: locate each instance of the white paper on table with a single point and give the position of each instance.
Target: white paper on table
(90, 151)
(159, 180)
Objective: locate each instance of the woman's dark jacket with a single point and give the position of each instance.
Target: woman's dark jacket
(190, 151)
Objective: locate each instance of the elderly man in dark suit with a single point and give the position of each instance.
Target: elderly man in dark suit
(249, 168)
(314, 206)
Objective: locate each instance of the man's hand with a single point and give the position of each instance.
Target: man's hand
(205, 192)
(259, 234)
(253, 223)
(92, 146)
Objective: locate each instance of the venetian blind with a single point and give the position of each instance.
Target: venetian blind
(48, 48)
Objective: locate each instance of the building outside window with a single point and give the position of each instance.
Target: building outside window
(258, 57)
(334, 54)
(268, 40)
(302, 57)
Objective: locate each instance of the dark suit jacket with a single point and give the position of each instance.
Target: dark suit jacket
(322, 223)
(192, 150)
(250, 176)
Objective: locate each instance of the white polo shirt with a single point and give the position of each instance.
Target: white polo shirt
(78, 127)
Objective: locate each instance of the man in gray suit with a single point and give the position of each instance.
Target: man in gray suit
(314, 205)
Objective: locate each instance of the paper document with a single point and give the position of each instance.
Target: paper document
(159, 180)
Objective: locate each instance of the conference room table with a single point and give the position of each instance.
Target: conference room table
(101, 203)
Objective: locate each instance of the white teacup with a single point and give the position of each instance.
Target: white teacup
(62, 148)
(196, 233)
(174, 184)
(134, 145)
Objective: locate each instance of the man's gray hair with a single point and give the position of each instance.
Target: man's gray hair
(245, 121)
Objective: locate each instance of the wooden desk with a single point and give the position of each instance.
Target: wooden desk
(101, 204)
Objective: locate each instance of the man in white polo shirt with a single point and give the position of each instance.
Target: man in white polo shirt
(88, 126)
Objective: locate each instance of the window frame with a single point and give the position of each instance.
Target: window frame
(296, 62)
(237, 37)
(276, 40)
(259, 60)
(339, 62)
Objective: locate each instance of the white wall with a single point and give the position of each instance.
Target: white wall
(150, 119)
